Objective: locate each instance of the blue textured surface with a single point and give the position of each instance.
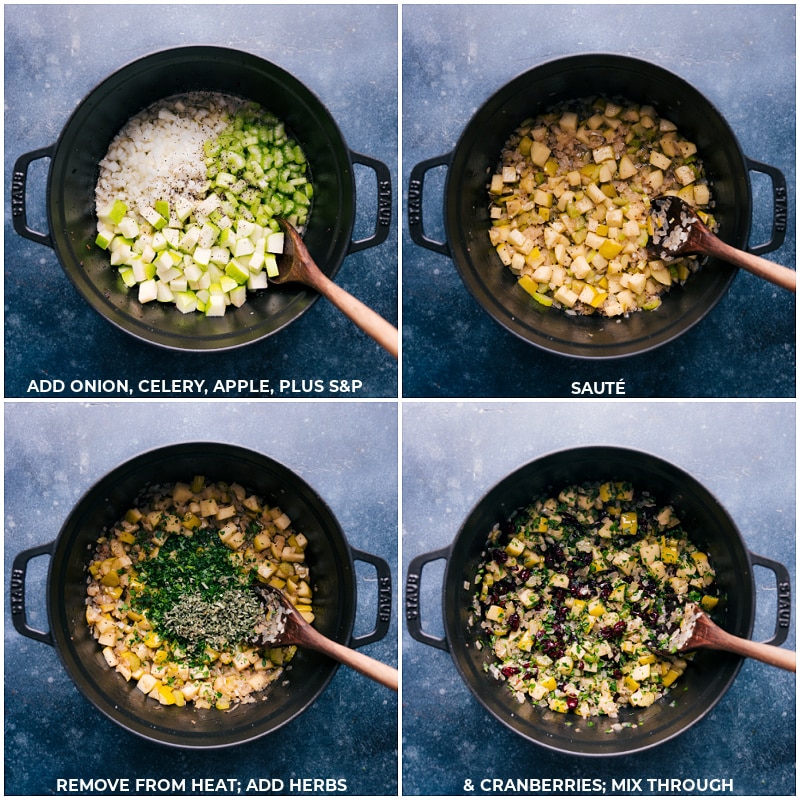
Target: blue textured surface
(55, 452)
(742, 58)
(454, 453)
(55, 55)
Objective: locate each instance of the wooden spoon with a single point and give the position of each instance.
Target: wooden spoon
(677, 231)
(698, 631)
(285, 625)
(297, 266)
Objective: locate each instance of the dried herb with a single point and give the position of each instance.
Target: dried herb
(229, 618)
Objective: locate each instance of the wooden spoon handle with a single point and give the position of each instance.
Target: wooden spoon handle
(376, 670)
(774, 273)
(373, 324)
(767, 653)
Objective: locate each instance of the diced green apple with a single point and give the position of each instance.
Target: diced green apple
(163, 293)
(183, 208)
(207, 206)
(148, 290)
(126, 273)
(153, 217)
(235, 271)
(243, 247)
(227, 284)
(186, 302)
(113, 213)
(271, 265)
(193, 272)
(168, 274)
(141, 271)
(257, 281)
(208, 235)
(121, 255)
(238, 296)
(220, 255)
(256, 262)
(202, 256)
(189, 239)
(172, 236)
(148, 254)
(104, 238)
(158, 242)
(275, 242)
(216, 306)
(129, 227)
(244, 228)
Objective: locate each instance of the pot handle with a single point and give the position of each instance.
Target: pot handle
(415, 186)
(784, 587)
(779, 206)
(413, 579)
(384, 615)
(384, 216)
(19, 182)
(18, 574)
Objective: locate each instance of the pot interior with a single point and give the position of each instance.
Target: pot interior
(85, 140)
(328, 556)
(478, 153)
(708, 676)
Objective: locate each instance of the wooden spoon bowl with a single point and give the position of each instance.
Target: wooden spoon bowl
(701, 632)
(291, 628)
(677, 231)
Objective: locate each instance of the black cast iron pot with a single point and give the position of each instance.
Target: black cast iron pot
(709, 675)
(477, 153)
(329, 556)
(74, 169)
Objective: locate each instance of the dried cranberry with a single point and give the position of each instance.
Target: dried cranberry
(583, 591)
(509, 671)
(523, 575)
(613, 631)
(513, 622)
(500, 556)
(572, 702)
